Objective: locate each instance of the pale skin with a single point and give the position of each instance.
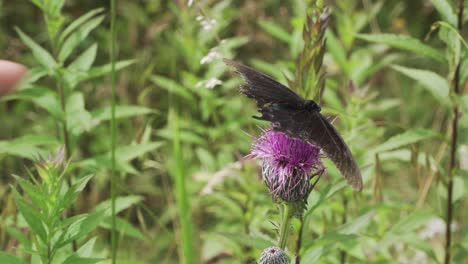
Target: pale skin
(10, 75)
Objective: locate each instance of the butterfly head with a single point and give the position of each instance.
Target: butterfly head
(312, 106)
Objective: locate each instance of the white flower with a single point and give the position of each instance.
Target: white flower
(211, 56)
(209, 84)
(206, 23)
(434, 227)
(190, 2)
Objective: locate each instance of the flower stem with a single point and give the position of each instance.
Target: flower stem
(453, 150)
(285, 224)
(113, 179)
(299, 241)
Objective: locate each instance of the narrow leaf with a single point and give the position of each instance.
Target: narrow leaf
(78, 22)
(434, 83)
(10, 259)
(42, 56)
(445, 10)
(405, 43)
(406, 138)
(77, 37)
(85, 60)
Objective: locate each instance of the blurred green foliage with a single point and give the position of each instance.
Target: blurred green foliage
(389, 82)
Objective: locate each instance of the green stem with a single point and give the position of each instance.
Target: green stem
(113, 132)
(453, 150)
(285, 225)
(182, 202)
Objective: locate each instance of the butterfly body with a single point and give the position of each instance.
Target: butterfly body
(299, 118)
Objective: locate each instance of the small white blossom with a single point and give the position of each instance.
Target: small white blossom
(206, 23)
(434, 227)
(209, 84)
(211, 56)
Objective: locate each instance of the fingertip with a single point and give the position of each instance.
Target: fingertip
(10, 74)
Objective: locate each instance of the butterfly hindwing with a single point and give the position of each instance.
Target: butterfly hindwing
(312, 127)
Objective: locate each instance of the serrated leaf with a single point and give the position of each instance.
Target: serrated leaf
(434, 83)
(42, 56)
(406, 138)
(275, 30)
(405, 43)
(77, 37)
(10, 259)
(78, 22)
(84, 61)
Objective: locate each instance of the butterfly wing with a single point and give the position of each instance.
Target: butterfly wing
(312, 127)
(264, 89)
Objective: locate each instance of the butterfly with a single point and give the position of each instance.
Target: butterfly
(299, 118)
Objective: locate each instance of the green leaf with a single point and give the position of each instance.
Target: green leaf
(445, 10)
(27, 146)
(250, 241)
(123, 227)
(73, 192)
(33, 192)
(21, 237)
(86, 250)
(53, 7)
(354, 225)
(275, 30)
(10, 259)
(78, 118)
(121, 111)
(337, 51)
(85, 60)
(32, 216)
(123, 155)
(410, 223)
(78, 22)
(99, 71)
(405, 43)
(82, 227)
(41, 96)
(173, 87)
(75, 259)
(313, 254)
(42, 56)
(406, 138)
(77, 37)
(433, 82)
(121, 203)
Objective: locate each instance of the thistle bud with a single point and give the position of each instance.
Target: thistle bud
(273, 255)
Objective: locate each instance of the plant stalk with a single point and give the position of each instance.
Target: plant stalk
(453, 151)
(299, 241)
(113, 133)
(285, 225)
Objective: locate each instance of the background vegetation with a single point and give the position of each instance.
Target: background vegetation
(185, 192)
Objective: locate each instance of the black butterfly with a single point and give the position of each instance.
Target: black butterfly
(299, 118)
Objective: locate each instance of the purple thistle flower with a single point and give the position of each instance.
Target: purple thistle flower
(288, 165)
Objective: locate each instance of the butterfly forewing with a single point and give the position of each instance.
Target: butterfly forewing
(287, 113)
(264, 89)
